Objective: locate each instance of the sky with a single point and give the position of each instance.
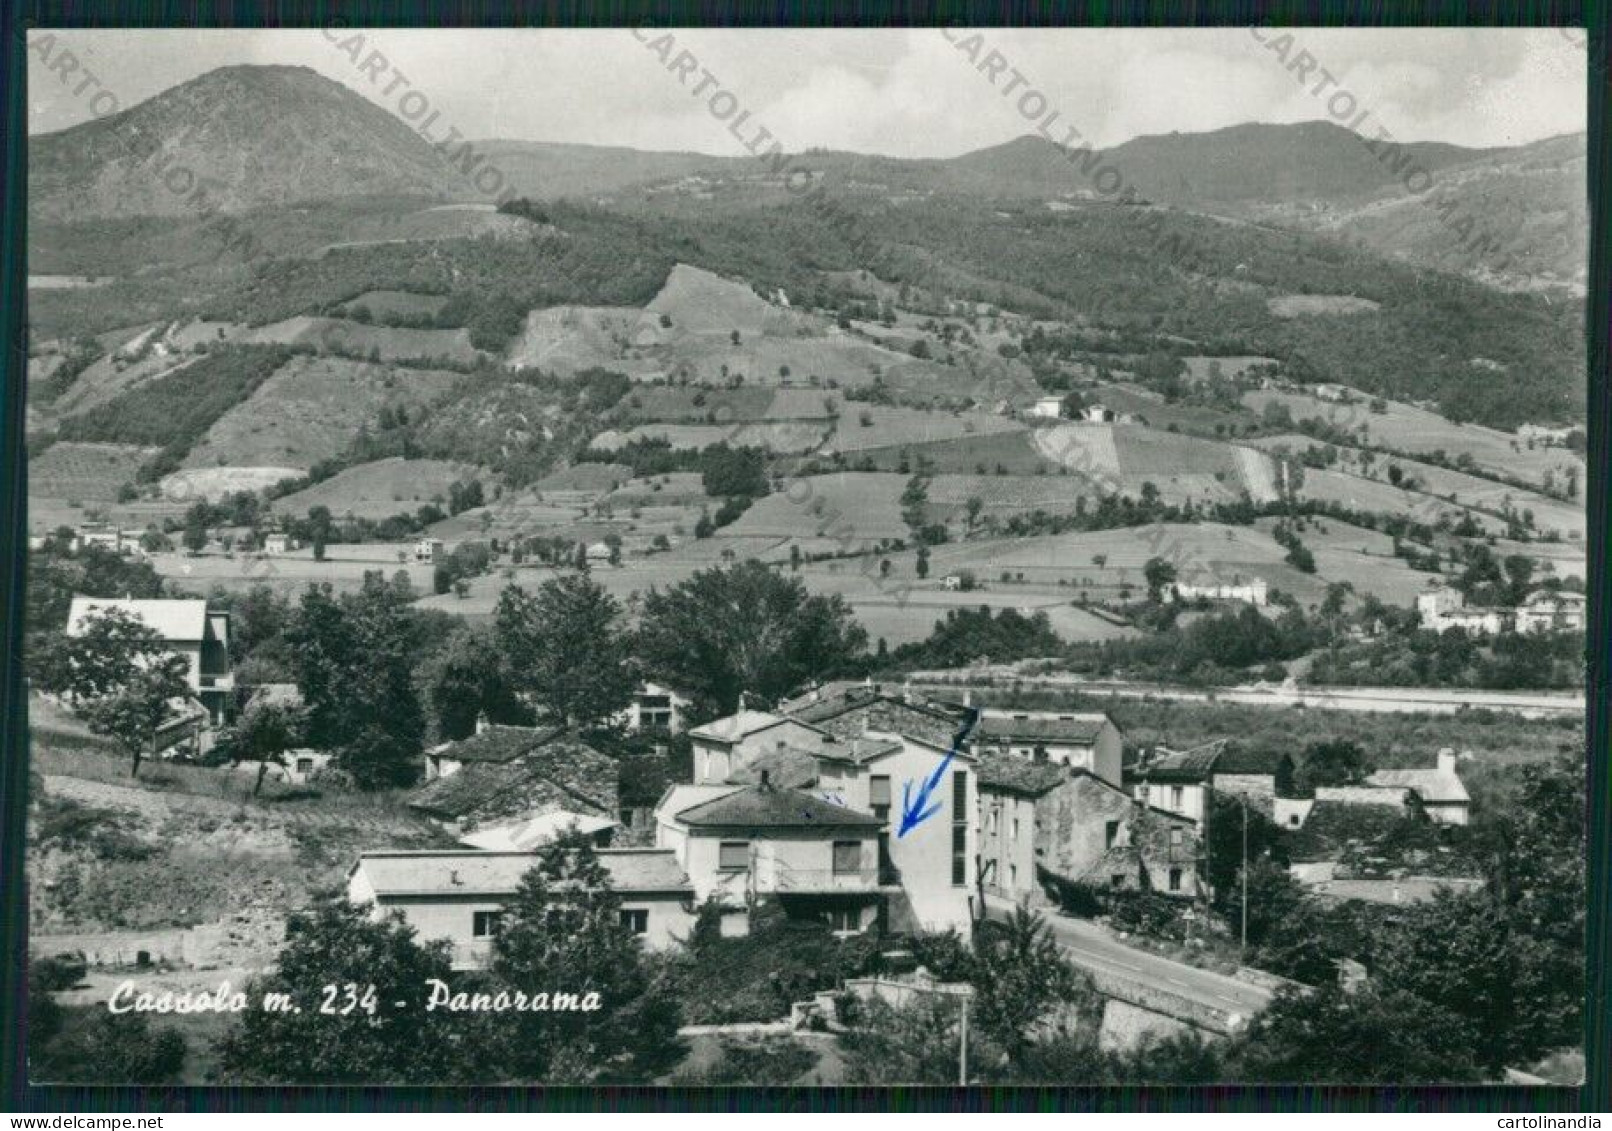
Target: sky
(905, 93)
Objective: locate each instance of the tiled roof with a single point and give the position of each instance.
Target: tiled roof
(524, 836)
(1432, 785)
(497, 744)
(1003, 771)
(1193, 765)
(469, 872)
(861, 750)
(846, 709)
(736, 726)
(1082, 728)
(787, 768)
(574, 775)
(173, 620)
(759, 806)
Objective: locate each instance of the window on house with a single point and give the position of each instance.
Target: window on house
(733, 856)
(304, 765)
(1110, 834)
(1293, 819)
(879, 795)
(959, 828)
(843, 919)
(1176, 794)
(1175, 836)
(847, 857)
(1015, 828)
(996, 815)
(1117, 880)
(484, 924)
(635, 920)
(1175, 879)
(1013, 875)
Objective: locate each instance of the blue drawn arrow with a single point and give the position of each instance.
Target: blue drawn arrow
(916, 810)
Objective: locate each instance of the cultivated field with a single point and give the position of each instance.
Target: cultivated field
(380, 489)
(1406, 428)
(862, 427)
(90, 473)
(310, 409)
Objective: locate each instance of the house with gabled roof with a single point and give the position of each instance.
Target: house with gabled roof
(504, 773)
(1044, 825)
(1087, 740)
(188, 629)
(1442, 794)
(725, 746)
(460, 895)
(740, 844)
(1178, 781)
(847, 709)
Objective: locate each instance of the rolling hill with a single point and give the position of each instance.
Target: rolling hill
(249, 137)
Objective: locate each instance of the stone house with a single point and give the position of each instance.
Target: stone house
(504, 773)
(1257, 776)
(1085, 740)
(1442, 794)
(1042, 823)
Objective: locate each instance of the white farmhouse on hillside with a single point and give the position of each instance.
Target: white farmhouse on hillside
(188, 629)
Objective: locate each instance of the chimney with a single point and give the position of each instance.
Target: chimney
(968, 697)
(1446, 760)
(481, 722)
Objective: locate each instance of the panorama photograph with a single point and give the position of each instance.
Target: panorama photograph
(677, 556)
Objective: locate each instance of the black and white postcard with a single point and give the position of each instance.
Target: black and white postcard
(678, 556)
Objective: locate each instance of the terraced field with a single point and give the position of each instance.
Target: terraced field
(864, 427)
(1406, 428)
(90, 473)
(380, 489)
(310, 410)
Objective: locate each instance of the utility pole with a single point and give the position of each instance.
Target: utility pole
(1245, 875)
(962, 1046)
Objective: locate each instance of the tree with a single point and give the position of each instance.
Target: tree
(376, 1041)
(565, 645)
(745, 627)
(101, 1047)
(353, 657)
(1336, 761)
(1330, 1036)
(111, 647)
(563, 929)
(266, 731)
(135, 712)
(1519, 577)
(972, 509)
(917, 1044)
(921, 566)
(470, 676)
(1158, 573)
(1022, 981)
(195, 537)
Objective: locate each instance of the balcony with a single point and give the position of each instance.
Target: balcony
(783, 879)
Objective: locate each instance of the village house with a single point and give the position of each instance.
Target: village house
(1552, 611)
(278, 543)
(460, 896)
(1257, 776)
(1087, 740)
(849, 709)
(188, 629)
(724, 746)
(1442, 609)
(1255, 591)
(931, 869)
(657, 707)
(1441, 792)
(740, 844)
(428, 551)
(1050, 408)
(507, 773)
(1177, 781)
(1044, 825)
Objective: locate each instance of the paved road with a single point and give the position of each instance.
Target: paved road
(1091, 946)
(1437, 701)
